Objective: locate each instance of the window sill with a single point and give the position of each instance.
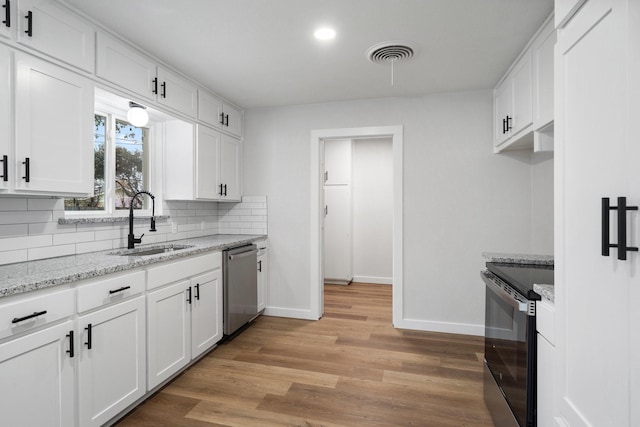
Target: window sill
(105, 219)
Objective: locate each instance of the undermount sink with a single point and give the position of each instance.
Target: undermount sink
(150, 250)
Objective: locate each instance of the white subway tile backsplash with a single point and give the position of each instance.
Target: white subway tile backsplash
(29, 227)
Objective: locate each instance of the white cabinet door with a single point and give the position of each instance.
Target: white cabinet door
(38, 379)
(338, 234)
(48, 28)
(337, 162)
(7, 18)
(6, 153)
(542, 52)
(502, 106)
(54, 124)
(595, 157)
(545, 399)
(232, 119)
(122, 65)
(263, 272)
(177, 93)
(206, 311)
(169, 332)
(230, 168)
(111, 371)
(564, 10)
(522, 98)
(207, 167)
(209, 108)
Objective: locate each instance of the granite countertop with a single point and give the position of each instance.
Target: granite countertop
(33, 275)
(544, 290)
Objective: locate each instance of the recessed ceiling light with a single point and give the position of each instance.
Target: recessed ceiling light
(325, 33)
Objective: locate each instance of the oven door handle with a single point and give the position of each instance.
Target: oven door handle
(504, 295)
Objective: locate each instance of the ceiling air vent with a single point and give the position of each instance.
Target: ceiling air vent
(391, 51)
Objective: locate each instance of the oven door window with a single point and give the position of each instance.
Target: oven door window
(506, 351)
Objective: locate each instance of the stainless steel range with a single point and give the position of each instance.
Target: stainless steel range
(510, 341)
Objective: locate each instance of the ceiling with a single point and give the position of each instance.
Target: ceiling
(259, 53)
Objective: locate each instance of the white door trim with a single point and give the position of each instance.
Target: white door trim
(316, 279)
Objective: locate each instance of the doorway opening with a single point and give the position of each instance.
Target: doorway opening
(318, 139)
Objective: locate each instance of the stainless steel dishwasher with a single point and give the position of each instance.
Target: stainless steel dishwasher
(240, 289)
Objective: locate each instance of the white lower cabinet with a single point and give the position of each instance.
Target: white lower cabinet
(111, 369)
(184, 318)
(263, 271)
(38, 379)
(545, 324)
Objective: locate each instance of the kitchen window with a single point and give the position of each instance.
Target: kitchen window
(121, 168)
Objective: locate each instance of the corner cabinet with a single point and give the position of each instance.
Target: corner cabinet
(201, 167)
(54, 119)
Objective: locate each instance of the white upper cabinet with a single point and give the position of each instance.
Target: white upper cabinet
(565, 9)
(542, 51)
(122, 65)
(46, 27)
(230, 169)
(213, 111)
(54, 124)
(7, 17)
(207, 173)
(6, 154)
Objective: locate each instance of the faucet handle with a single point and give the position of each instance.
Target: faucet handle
(153, 224)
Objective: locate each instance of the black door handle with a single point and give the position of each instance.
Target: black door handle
(622, 209)
(70, 336)
(226, 120)
(5, 168)
(198, 291)
(509, 126)
(189, 294)
(222, 118)
(29, 30)
(225, 189)
(260, 266)
(154, 90)
(27, 169)
(164, 89)
(89, 340)
(7, 13)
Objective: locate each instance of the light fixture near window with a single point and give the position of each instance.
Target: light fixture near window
(137, 115)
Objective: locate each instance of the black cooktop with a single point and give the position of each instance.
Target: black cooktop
(522, 277)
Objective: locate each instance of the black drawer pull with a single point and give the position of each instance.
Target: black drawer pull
(5, 168)
(115, 291)
(29, 30)
(70, 351)
(89, 340)
(7, 13)
(31, 316)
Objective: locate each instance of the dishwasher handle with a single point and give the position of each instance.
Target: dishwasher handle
(243, 254)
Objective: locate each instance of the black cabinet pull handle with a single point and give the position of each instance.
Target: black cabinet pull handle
(622, 209)
(5, 168)
(29, 30)
(504, 126)
(189, 294)
(509, 125)
(154, 89)
(225, 189)
(7, 13)
(30, 316)
(70, 336)
(89, 340)
(222, 118)
(226, 120)
(220, 192)
(115, 291)
(27, 169)
(164, 89)
(198, 291)
(260, 266)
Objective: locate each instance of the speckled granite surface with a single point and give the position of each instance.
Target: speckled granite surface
(545, 291)
(518, 258)
(33, 275)
(85, 220)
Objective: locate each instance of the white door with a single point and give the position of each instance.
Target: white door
(337, 162)
(337, 233)
(38, 379)
(206, 311)
(54, 124)
(48, 28)
(594, 159)
(207, 159)
(5, 116)
(230, 167)
(169, 331)
(112, 373)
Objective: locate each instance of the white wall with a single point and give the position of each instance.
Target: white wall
(372, 189)
(542, 203)
(459, 199)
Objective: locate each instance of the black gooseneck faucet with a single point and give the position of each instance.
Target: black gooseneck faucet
(132, 240)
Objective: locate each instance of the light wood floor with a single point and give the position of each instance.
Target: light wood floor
(351, 368)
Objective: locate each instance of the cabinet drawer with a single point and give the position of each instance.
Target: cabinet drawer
(102, 292)
(545, 320)
(178, 270)
(36, 311)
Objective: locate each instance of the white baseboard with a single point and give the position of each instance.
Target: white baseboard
(373, 279)
(447, 327)
(289, 312)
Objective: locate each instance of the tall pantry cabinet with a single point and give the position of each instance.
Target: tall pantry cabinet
(597, 60)
(338, 235)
